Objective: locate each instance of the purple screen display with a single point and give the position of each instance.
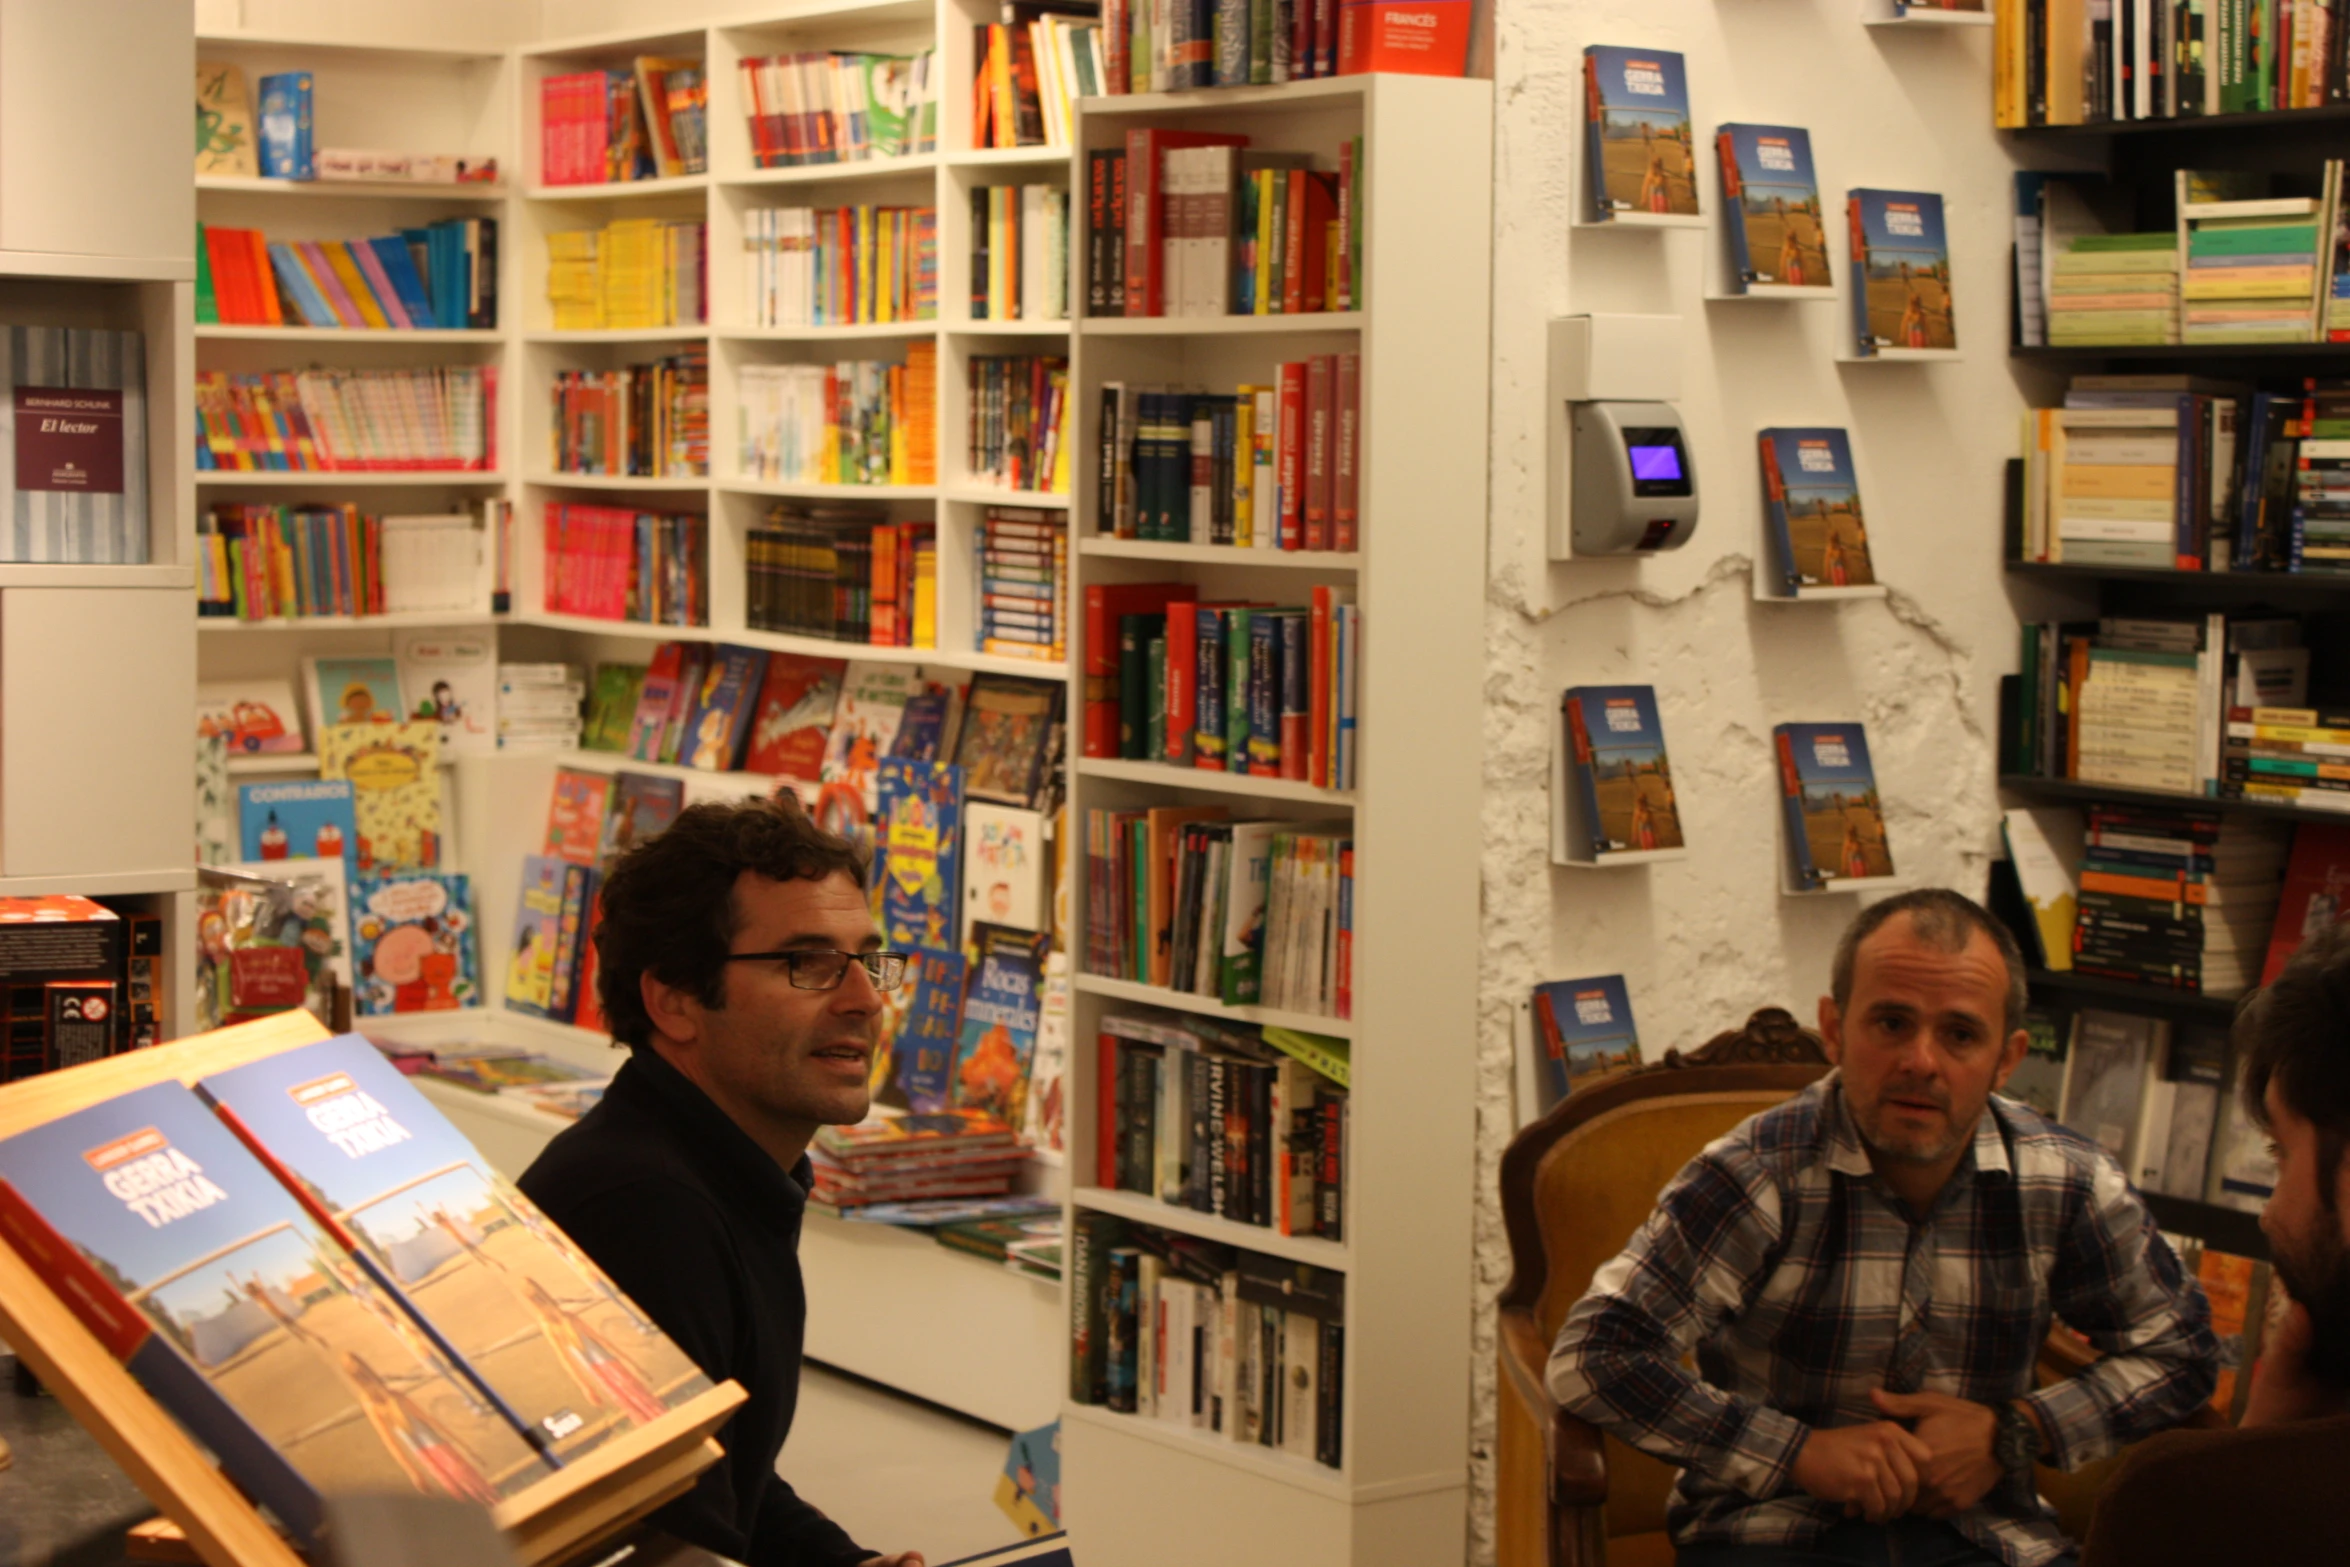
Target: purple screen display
(1655, 462)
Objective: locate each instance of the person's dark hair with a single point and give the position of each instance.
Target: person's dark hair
(2295, 1032)
(1942, 919)
(668, 905)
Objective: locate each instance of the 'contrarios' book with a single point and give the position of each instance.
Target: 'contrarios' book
(1778, 235)
(1640, 158)
(1835, 824)
(1620, 797)
(1811, 500)
(1900, 285)
(1581, 1027)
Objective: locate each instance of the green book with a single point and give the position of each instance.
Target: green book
(207, 302)
(2098, 242)
(1154, 661)
(612, 707)
(1333, 1058)
(2299, 239)
(1354, 230)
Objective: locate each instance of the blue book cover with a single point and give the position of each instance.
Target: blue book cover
(1264, 694)
(285, 130)
(503, 1290)
(1581, 1026)
(1638, 151)
(923, 728)
(719, 722)
(1778, 232)
(572, 936)
(1835, 821)
(530, 970)
(308, 819)
(278, 1348)
(1812, 500)
(924, 1050)
(412, 943)
(1900, 284)
(400, 268)
(1208, 735)
(294, 281)
(919, 831)
(1000, 1011)
(1623, 781)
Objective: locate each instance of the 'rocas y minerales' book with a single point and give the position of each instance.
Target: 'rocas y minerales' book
(1639, 154)
(1835, 823)
(1900, 285)
(1620, 796)
(1777, 232)
(279, 1349)
(1812, 501)
(380, 1169)
(1581, 1027)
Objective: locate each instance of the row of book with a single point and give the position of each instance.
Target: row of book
(551, 969)
(442, 275)
(429, 419)
(650, 420)
(2288, 756)
(1253, 913)
(617, 563)
(1269, 466)
(630, 274)
(844, 575)
(1207, 1337)
(1021, 584)
(538, 707)
(95, 993)
(1031, 74)
(1019, 253)
(1254, 43)
(840, 266)
(647, 120)
(860, 421)
(1192, 223)
(1019, 421)
(268, 562)
(2162, 59)
(1236, 1122)
(840, 107)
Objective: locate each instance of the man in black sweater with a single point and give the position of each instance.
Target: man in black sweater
(741, 967)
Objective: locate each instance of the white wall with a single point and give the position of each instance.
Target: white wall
(1704, 941)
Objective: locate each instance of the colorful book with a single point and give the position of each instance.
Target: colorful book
(353, 691)
(1835, 823)
(872, 704)
(655, 696)
(530, 968)
(394, 771)
(225, 143)
(1639, 159)
(575, 816)
(612, 700)
(254, 717)
(1900, 285)
(286, 130)
(1005, 867)
(451, 678)
(1000, 1014)
(1811, 501)
(929, 1031)
(1009, 723)
(719, 721)
(574, 938)
(310, 818)
(1582, 1027)
(1620, 798)
(1778, 233)
(412, 944)
(642, 805)
(919, 830)
(794, 716)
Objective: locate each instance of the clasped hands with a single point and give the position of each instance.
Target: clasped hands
(1882, 1470)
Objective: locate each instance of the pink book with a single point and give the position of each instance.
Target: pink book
(322, 273)
(387, 298)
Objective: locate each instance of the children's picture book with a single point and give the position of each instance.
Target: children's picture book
(225, 144)
(285, 127)
(530, 969)
(575, 815)
(1006, 745)
(920, 830)
(1029, 1490)
(552, 1338)
(451, 678)
(302, 904)
(1811, 502)
(216, 802)
(1639, 156)
(1581, 1027)
(296, 1364)
(2317, 888)
(255, 717)
(309, 818)
(872, 704)
(1000, 1011)
(922, 733)
(794, 716)
(1835, 823)
(656, 693)
(924, 1047)
(1777, 232)
(1044, 1112)
(612, 699)
(642, 804)
(1620, 782)
(394, 772)
(1005, 865)
(719, 721)
(352, 691)
(1900, 284)
(412, 943)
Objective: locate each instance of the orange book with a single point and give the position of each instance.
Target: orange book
(2161, 889)
(2227, 1284)
(263, 280)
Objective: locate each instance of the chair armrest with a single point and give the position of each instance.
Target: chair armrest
(1577, 1455)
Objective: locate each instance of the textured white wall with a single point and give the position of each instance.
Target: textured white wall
(1703, 941)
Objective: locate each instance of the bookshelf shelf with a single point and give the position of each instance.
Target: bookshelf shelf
(617, 481)
(1316, 94)
(1207, 1227)
(688, 333)
(1903, 356)
(341, 478)
(2073, 789)
(349, 190)
(1008, 158)
(1016, 327)
(2271, 585)
(1218, 554)
(787, 490)
(2120, 995)
(1208, 1006)
(831, 173)
(991, 495)
(2195, 352)
(948, 658)
(1260, 1461)
(270, 764)
(1202, 780)
(621, 762)
(1927, 17)
(459, 617)
(111, 884)
(229, 41)
(346, 334)
(1221, 326)
(2287, 120)
(850, 332)
(622, 190)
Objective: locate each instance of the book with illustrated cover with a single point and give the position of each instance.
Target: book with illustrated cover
(719, 720)
(1835, 824)
(279, 1349)
(919, 831)
(2317, 886)
(394, 771)
(1900, 284)
(642, 804)
(451, 678)
(1005, 866)
(1581, 1027)
(289, 918)
(530, 969)
(309, 818)
(924, 1047)
(1778, 233)
(1620, 798)
(1000, 1013)
(254, 717)
(225, 143)
(412, 943)
(794, 716)
(575, 815)
(1811, 500)
(73, 445)
(1639, 157)
(2038, 1079)
(352, 691)
(872, 705)
(553, 1339)
(612, 700)
(1010, 724)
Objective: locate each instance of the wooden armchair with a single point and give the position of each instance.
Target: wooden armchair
(1574, 1187)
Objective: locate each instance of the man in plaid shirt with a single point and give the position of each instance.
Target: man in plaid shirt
(1866, 1274)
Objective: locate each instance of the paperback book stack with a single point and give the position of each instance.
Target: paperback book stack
(1023, 576)
(2115, 289)
(840, 266)
(2134, 470)
(645, 421)
(855, 422)
(2296, 756)
(539, 707)
(2256, 269)
(844, 575)
(2321, 491)
(839, 107)
(913, 1158)
(1019, 253)
(2181, 899)
(630, 274)
(1019, 420)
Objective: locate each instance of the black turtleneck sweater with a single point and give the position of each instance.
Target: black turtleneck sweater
(701, 1227)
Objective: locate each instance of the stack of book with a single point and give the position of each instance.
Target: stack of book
(2133, 470)
(337, 421)
(538, 707)
(1269, 466)
(911, 1158)
(646, 420)
(1019, 253)
(640, 122)
(631, 273)
(2288, 756)
(1243, 1123)
(860, 421)
(1031, 74)
(442, 275)
(1019, 417)
(840, 107)
(2180, 898)
(1023, 576)
(2256, 269)
(614, 563)
(2115, 288)
(845, 575)
(261, 562)
(838, 266)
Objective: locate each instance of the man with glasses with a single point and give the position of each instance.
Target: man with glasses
(742, 969)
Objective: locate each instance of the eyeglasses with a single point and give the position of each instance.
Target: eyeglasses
(823, 968)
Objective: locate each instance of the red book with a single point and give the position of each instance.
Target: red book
(1325, 37)
(1301, 39)
(1318, 431)
(1105, 1124)
(1346, 198)
(2317, 881)
(1318, 689)
(1289, 455)
(1146, 215)
(1306, 244)
(1117, 48)
(1182, 678)
(225, 248)
(1105, 604)
(794, 716)
(1346, 454)
(1343, 985)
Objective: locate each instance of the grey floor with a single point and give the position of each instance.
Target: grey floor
(898, 1475)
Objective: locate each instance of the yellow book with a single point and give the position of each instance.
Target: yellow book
(926, 594)
(2122, 481)
(2250, 283)
(1267, 241)
(338, 255)
(1332, 239)
(1244, 443)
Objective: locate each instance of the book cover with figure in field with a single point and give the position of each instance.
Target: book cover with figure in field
(1639, 152)
(1835, 822)
(1777, 232)
(1812, 500)
(1901, 299)
(1622, 800)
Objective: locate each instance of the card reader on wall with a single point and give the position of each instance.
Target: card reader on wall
(1622, 479)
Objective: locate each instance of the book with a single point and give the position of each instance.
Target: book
(412, 943)
(2045, 845)
(1621, 799)
(1000, 1015)
(575, 816)
(308, 818)
(530, 967)
(73, 445)
(612, 701)
(1834, 822)
(642, 804)
(2111, 1056)
(451, 678)
(285, 128)
(225, 143)
(352, 691)
(1639, 158)
(1811, 500)
(1006, 747)
(394, 771)
(919, 836)
(1006, 866)
(253, 717)
(2038, 1079)
(872, 705)
(1776, 226)
(794, 716)
(2317, 884)
(1900, 283)
(923, 1048)
(718, 722)
(1582, 1026)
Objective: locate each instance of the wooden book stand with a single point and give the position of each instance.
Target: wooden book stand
(587, 1500)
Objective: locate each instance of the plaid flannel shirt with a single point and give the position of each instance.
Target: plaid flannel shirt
(1801, 1282)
